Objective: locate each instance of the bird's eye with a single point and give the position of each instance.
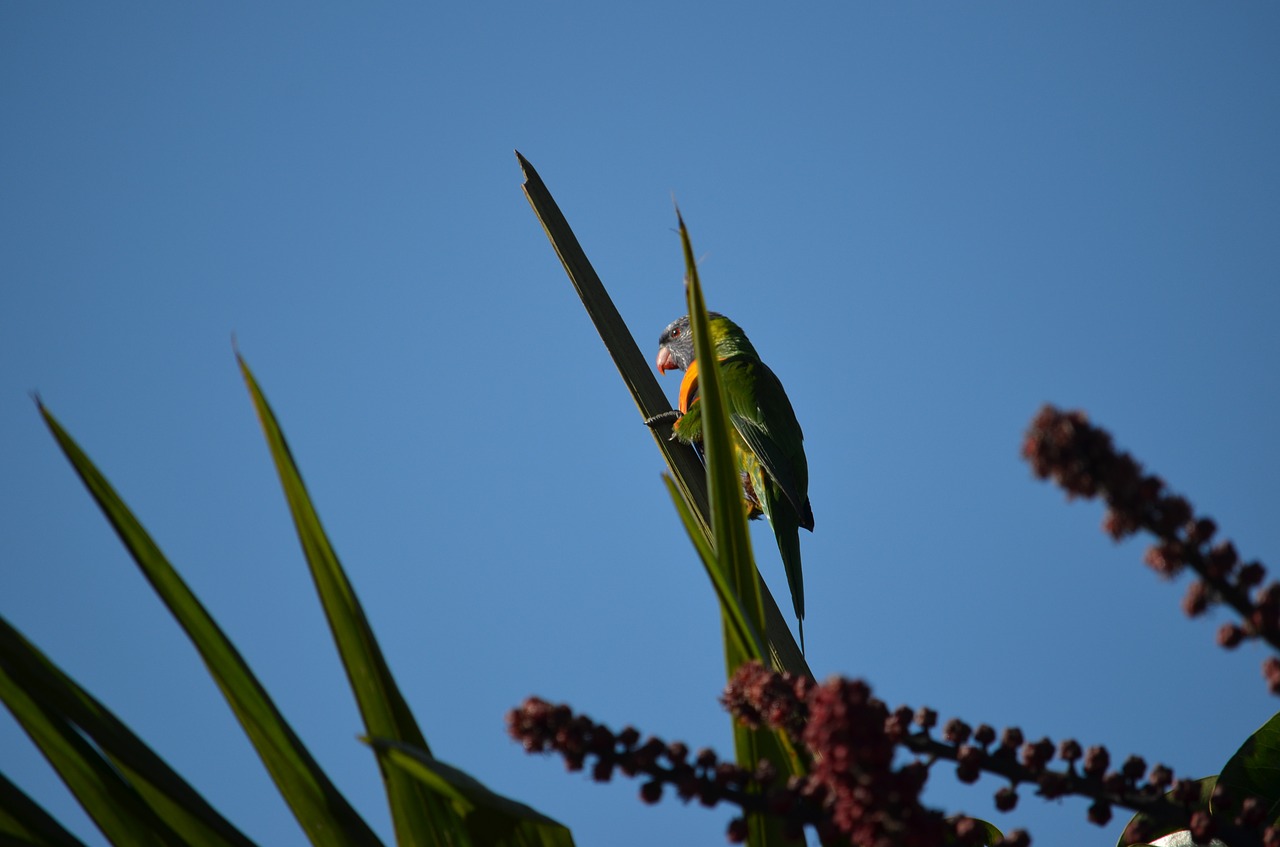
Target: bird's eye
(675, 333)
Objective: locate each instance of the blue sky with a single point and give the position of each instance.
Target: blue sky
(931, 218)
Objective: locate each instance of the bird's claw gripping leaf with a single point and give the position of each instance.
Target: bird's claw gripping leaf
(669, 415)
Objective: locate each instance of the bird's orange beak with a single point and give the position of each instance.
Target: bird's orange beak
(666, 362)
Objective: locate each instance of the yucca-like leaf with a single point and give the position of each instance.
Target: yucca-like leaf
(24, 821)
(490, 819)
(74, 713)
(109, 749)
(324, 814)
(731, 542)
(739, 627)
(420, 817)
(108, 799)
(686, 468)
(730, 537)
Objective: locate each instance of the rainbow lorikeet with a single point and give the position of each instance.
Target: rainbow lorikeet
(768, 441)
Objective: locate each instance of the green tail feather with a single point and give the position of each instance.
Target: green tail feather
(787, 531)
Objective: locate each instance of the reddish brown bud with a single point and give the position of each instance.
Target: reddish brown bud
(1250, 575)
(1230, 635)
(1100, 812)
(1196, 599)
(1221, 560)
(1011, 738)
(1271, 672)
(1015, 838)
(651, 792)
(1220, 797)
(737, 831)
(1252, 812)
(1137, 832)
(984, 735)
(1038, 754)
(766, 772)
(1174, 512)
(1160, 778)
(1133, 768)
(898, 724)
(1165, 558)
(969, 831)
(1119, 525)
(1006, 799)
(926, 718)
(1069, 750)
(968, 771)
(956, 731)
(1096, 762)
(1201, 826)
(1200, 531)
(1186, 792)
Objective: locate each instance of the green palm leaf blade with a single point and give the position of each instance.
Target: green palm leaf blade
(421, 818)
(24, 821)
(682, 461)
(113, 805)
(730, 536)
(740, 629)
(731, 542)
(321, 810)
(490, 819)
(76, 712)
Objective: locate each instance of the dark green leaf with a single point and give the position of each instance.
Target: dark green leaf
(76, 713)
(324, 814)
(686, 469)
(23, 821)
(420, 819)
(491, 820)
(1254, 770)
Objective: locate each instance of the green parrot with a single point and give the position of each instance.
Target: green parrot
(768, 441)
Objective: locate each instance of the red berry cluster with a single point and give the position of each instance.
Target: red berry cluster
(1083, 460)
(854, 794)
(542, 727)
(850, 767)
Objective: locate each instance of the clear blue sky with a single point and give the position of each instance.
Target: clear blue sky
(931, 218)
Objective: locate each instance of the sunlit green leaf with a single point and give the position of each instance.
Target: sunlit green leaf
(78, 715)
(491, 820)
(420, 819)
(23, 821)
(321, 810)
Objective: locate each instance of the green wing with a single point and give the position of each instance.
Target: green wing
(762, 415)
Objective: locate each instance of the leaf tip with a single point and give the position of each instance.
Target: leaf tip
(526, 169)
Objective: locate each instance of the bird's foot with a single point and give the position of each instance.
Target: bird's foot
(669, 415)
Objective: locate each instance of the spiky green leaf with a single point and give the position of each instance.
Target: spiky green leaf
(321, 810)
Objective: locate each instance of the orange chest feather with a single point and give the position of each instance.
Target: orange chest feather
(689, 387)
